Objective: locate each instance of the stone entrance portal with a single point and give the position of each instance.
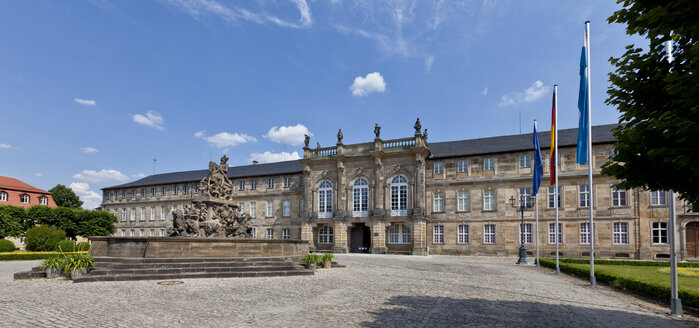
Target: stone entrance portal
(692, 239)
(360, 238)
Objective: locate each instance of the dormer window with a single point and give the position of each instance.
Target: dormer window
(3, 196)
(43, 200)
(25, 199)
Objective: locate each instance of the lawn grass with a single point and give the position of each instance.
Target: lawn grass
(644, 273)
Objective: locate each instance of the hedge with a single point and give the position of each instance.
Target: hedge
(17, 256)
(631, 263)
(6, 246)
(657, 291)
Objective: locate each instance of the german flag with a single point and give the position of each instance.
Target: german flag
(554, 142)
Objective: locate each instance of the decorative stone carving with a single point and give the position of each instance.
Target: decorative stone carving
(377, 130)
(306, 140)
(212, 214)
(424, 135)
(417, 126)
(340, 136)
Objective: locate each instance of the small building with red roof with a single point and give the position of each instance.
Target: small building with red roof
(17, 193)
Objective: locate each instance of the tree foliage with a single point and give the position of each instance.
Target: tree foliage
(65, 197)
(14, 221)
(658, 138)
(43, 238)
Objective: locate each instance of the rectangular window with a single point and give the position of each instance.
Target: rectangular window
(438, 236)
(143, 192)
(253, 184)
(143, 232)
(185, 189)
(163, 191)
(253, 233)
(584, 195)
(163, 213)
(286, 208)
(162, 232)
(241, 205)
(489, 200)
(285, 233)
(462, 237)
(175, 190)
(123, 215)
(525, 231)
(553, 198)
(253, 209)
(552, 233)
(438, 168)
(525, 197)
(438, 202)
(657, 197)
(241, 185)
(133, 214)
(287, 182)
(463, 200)
(462, 166)
(300, 207)
(133, 232)
(152, 232)
(123, 233)
(43, 200)
(152, 191)
(525, 161)
(489, 234)
(123, 194)
(618, 197)
(270, 209)
(659, 232)
(585, 233)
(151, 215)
(270, 183)
(196, 188)
(621, 233)
(270, 233)
(325, 235)
(143, 213)
(488, 164)
(133, 193)
(399, 233)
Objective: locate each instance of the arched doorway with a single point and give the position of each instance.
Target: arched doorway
(691, 234)
(360, 238)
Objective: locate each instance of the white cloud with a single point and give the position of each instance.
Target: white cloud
(485, 91)
(139, 175)
(89, 150)
(152, 119)
(100, 176)
(428, 63)
(90, 198)
(5, 146)
(373, 82)
(268, 157)
(231, 13)
(225, 139)
(534, 92)
(38, 174)
(290, 135)
(86, 102)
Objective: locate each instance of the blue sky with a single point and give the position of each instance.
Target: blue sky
(92, 91)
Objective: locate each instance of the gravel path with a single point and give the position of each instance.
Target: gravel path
(373, 291)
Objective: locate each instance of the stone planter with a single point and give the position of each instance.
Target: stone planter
(78, 273)
(53, 272)
(327, 264)
(310, 266)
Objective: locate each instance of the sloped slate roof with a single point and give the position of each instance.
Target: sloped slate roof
(569, 137)
(287, 167)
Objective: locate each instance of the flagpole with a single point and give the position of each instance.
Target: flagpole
(556, 191)
(593, 280)
(675, 301)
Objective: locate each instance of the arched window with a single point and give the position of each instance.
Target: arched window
(3, 196)
(399, 233)
(360, 199)
(325, 235)
(399, 196)
(325, 199)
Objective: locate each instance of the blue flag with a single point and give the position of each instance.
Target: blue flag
(538, 165)
(581, 156)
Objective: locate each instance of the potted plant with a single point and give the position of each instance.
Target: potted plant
(310, 261)
(327, 260)
(53, 267)
(78, 265)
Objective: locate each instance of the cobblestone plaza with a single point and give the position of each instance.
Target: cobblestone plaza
(372, 291)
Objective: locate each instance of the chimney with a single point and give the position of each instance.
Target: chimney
(255, 162)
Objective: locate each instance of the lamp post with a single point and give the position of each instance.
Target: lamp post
(522, 205)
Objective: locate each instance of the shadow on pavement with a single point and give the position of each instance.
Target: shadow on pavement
(426, 311)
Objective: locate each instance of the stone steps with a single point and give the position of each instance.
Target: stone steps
(125, 269)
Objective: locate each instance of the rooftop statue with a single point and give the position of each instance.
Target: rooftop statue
(377, 130)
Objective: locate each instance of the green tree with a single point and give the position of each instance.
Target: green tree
(43, 238)
(11, 221)
(96, 223)
(65, 197)
(658, 139)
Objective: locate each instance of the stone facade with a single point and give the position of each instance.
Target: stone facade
(411, 197)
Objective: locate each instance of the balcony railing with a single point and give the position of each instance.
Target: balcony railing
(326, 151)
(399, 143)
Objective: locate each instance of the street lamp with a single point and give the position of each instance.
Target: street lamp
(522, 205)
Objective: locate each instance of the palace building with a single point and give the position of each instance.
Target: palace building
(410, 196)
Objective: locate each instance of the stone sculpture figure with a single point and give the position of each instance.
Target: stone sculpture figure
(377, 130)
(339, 137)
(417, 126)
(306, 140)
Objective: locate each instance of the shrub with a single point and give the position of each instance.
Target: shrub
(6, 246)
(83, 247)
(327, 257)
(77, 261)
(43, 238)
(311, 258)
(66, 246)
(52, 262)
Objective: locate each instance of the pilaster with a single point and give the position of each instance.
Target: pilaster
(378, 237)
(419, 237)
(340, 230)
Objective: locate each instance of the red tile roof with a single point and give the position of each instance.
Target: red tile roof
(14, 184)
